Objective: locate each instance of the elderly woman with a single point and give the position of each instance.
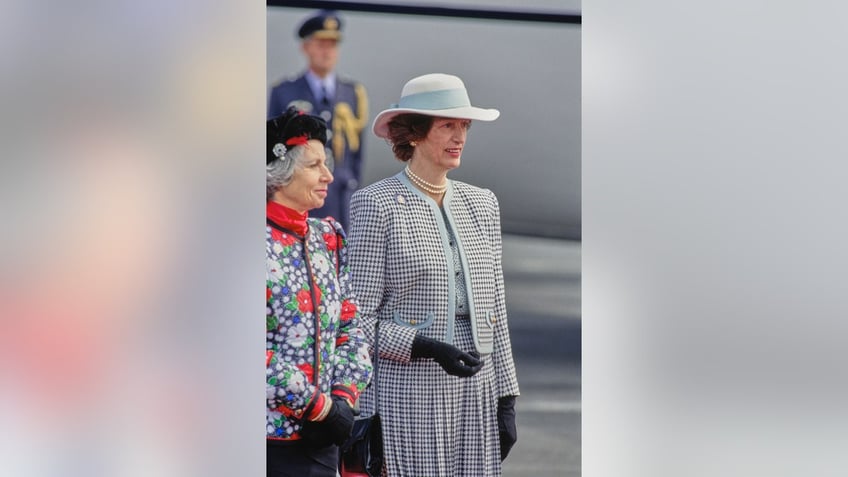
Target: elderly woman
(426, 254)
(317, 359)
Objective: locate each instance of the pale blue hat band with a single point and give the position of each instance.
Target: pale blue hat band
(441, 99)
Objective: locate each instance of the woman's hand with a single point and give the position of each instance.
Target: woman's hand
(335, 428)
(452, 359)
(506, 424)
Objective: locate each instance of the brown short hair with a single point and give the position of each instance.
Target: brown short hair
(405, 128)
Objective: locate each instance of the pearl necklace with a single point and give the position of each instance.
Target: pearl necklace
(431, 188)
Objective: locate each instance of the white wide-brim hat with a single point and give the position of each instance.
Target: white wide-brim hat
(435, 94)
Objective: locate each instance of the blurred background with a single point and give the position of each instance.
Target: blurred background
(127, 286)
(529, 156)
(530, 71)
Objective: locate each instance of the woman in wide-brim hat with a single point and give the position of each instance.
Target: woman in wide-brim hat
(317, 359)
(426, 258)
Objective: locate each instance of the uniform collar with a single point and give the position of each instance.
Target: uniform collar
(315, 84)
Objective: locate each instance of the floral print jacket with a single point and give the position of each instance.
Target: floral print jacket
(307, 353)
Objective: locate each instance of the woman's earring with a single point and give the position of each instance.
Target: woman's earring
(413, 143)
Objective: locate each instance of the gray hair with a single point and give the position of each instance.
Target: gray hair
(280, 172)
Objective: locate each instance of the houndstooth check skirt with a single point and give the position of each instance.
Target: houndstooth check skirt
(442, 425)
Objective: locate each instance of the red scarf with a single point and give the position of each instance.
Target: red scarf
(286, 217)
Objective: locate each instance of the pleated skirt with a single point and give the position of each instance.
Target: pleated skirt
(435, 424)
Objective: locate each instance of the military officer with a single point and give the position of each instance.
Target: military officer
(342, 102)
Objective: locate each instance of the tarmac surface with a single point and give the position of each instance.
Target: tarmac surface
(542, 279)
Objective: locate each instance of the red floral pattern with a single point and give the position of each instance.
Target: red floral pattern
(331, 241)
(348, 310)
(307, 370)
(284, 239)
(304, 301)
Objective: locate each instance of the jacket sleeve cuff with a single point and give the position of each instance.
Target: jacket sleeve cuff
(318, 407)
(347, 393)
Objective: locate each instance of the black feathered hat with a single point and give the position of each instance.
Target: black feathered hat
(292, 129)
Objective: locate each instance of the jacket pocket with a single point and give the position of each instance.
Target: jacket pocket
(485, 332)
(416, 322)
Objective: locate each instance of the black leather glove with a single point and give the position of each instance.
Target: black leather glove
(333, 429)
(452, 359)
(506, 424)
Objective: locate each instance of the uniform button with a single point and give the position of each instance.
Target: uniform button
(457, 273)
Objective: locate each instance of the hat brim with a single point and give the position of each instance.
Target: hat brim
(325, 35)
(381, 121)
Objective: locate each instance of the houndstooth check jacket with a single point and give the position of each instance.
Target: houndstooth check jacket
(403, 275)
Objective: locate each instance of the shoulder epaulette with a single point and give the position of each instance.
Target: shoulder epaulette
(346, 80)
